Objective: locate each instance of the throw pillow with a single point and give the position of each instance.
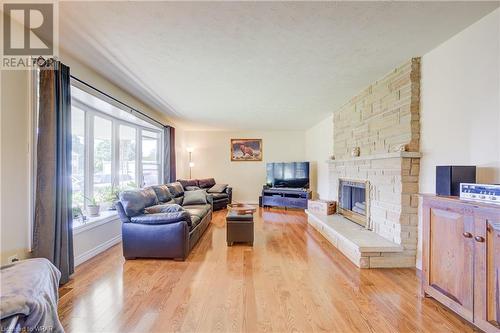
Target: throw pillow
(206, 183)
(217, 188)
(198, 197)
(166, 208)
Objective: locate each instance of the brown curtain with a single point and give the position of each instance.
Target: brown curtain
(53, 235)
(169, 172)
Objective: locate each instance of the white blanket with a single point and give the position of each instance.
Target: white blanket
(29, 290)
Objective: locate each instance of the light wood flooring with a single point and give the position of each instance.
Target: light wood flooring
(292, 280)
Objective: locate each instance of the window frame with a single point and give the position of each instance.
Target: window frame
(89, 115)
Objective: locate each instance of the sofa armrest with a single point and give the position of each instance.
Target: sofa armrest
(229, 191)
(121, 212)
(155, 240)
(210, 198)
(162, 218)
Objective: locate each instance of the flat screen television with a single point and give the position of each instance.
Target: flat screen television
(288, 174)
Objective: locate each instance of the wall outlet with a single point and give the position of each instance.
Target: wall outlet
(13, 258)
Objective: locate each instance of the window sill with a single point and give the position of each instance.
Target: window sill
(93, 222)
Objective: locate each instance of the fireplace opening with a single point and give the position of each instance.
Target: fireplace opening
(353, 203)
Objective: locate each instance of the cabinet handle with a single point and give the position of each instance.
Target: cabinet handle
(479, 239)
(467, 235)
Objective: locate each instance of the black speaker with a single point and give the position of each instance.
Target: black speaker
(449, 177)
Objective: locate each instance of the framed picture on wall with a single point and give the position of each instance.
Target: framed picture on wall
(246, 149)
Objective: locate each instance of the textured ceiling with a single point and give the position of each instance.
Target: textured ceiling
(254, 65)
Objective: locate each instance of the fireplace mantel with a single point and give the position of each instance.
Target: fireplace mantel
(397, 154)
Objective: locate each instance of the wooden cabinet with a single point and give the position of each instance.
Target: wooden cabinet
(461, 258)
(281, 197)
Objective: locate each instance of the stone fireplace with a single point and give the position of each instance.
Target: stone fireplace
(376, 143)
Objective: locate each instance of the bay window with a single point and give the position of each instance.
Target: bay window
(112, 149)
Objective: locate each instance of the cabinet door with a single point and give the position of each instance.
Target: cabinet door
(448, 249)
(487, 269)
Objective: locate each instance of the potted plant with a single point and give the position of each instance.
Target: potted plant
(110, 195)
(93, 207)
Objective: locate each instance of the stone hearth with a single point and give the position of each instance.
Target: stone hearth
(363, 247)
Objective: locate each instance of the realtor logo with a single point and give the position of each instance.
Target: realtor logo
(28, 29)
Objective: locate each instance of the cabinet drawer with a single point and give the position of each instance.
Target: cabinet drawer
(296, 203)
(272, 201)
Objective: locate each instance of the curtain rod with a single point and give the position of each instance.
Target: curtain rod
(116, 100)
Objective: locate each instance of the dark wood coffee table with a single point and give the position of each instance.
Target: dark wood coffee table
(242, 209)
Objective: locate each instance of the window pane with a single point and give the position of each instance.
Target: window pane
(150, 158)
(102, 159)
(128, 149)
(150, 134)
(149, 149)
(78, 156)
(151, 174)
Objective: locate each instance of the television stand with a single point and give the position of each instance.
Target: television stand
(285, 197)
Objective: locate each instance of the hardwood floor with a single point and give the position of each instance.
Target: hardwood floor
(291, 280)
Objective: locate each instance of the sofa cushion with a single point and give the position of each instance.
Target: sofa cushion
(188, 182)
(195, 220)
(162, 218)
(162, 193)
(176, 189)
(135, 201)
(206, 183)
(163, 208)
(217, 188)
(220, 196)
(198, 197)
(198, 210)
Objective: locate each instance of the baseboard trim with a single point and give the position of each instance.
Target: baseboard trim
(98, 249)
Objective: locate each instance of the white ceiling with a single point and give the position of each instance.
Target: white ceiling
(254, 65)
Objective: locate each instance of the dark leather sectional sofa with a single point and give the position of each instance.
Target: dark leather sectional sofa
(164, 221)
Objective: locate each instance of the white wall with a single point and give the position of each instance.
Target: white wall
(319, 148)
(212, 158)
(95, 239)
(460, 104)
(460, 107)
(14, 170)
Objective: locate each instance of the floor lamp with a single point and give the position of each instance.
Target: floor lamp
(191, 163)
